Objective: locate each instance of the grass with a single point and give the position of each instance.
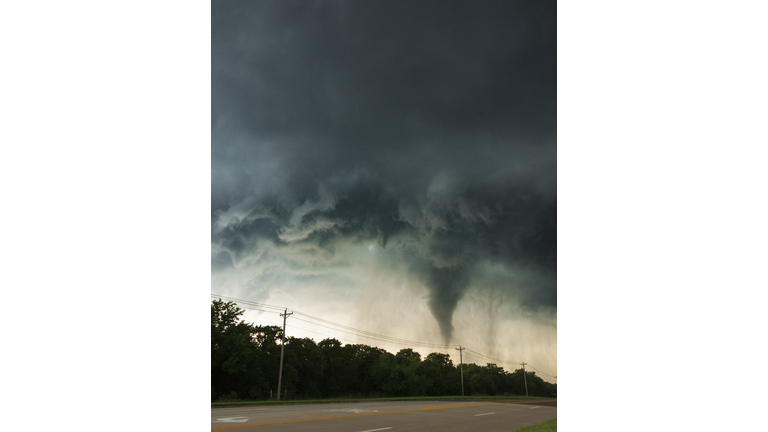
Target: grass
(547, 426)
(262, 402)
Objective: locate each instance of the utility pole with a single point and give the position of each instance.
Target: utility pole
(282, 349)
(524, 380)
(461, 366)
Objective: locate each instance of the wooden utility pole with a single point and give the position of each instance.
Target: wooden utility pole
(282, 349)
(461, 366)
(524, 380)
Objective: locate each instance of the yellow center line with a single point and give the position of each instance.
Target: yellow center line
(527, 402)
(436, 407)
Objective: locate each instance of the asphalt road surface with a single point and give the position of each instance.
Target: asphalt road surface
(402, 416)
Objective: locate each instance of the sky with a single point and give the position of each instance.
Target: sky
(392, 167)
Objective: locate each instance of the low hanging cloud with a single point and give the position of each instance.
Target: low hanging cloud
(446, 234)
(428, 128)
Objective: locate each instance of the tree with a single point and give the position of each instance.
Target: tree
(442, 378)
(365, 359)
(305, 358)
(406, 356)
(241, 354)
(336, 367)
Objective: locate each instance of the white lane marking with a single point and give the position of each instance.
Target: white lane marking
(372, 430)
(356, 411)
(242, 409)
(476, 415)
(259, 413)
(534, 407)
(232, 419)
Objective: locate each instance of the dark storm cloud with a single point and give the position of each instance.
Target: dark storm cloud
(431, 123)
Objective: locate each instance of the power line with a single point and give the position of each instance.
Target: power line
(507, 362)
(540, 371)
(399, 342)
(236, 300)
(480, 361)
(381, 339)
(352, 330)
(346, 341)
(489, 358)
(376, 335)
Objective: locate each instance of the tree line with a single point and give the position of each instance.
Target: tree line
(245, 360)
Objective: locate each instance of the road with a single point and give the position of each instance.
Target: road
(401, 416)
